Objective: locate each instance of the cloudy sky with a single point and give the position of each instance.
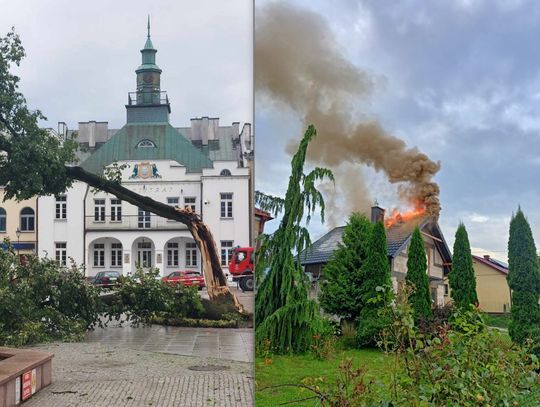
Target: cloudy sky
(81, 56)
(458, 79)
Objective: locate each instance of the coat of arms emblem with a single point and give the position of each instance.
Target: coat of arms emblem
(145, 170)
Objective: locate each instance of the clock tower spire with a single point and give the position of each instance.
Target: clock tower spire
(148, 92)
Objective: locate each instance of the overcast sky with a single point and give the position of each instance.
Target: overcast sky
(82, 56)
(458, 79)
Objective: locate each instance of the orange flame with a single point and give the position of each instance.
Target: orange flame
(399, 217)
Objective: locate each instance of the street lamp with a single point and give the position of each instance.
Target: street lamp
(18, 233)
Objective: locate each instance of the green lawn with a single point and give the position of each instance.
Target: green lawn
(292, 369)
(499, 321)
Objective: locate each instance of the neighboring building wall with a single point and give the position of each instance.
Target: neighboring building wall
(492, 288)
(69, 230)
(13, 222)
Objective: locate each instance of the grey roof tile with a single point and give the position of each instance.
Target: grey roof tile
(396, 237)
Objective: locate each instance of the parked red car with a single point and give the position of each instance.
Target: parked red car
(188, 278)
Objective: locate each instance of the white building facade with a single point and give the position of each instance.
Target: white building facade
(204, 166)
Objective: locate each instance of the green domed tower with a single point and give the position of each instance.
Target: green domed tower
(148, 103)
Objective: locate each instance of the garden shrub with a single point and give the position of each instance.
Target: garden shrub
(464, 364)
(351, 389)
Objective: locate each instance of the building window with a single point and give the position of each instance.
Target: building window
(61, 206)
(226, 205)
(226, 251)
(433, 291)
(146, 144)
(116, 210)
(225, 173)
(190, 202)
(99, 255)
(172, 254)
(61, 253)
(27, 220)
(99, 210)
(144, 219)
(3, 218)
(446, 291)
(191, 254)
(173, 202)
(116, 255)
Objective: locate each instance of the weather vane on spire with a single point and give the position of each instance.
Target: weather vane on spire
(148, 25)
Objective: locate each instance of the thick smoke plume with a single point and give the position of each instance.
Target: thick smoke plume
(298, 64)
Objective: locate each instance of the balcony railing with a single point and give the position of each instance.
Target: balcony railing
(147, 98)
(132, 222)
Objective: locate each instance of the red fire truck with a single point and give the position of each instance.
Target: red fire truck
(241, 267)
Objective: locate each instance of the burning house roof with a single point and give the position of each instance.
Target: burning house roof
(398, 235)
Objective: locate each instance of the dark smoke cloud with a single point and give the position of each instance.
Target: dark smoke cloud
(298, 64)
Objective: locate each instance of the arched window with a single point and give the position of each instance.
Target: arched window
(27, 220)
(225, 173)
(2, 220)
(146, 144)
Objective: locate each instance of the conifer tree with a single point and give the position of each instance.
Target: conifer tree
(524, 281)
(461, 278)
(420, 299)
(340, 290)
(375, 275)
(285, 315)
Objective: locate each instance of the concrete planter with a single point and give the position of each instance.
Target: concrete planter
(23, 372)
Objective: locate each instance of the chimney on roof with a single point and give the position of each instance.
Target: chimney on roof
(377, 213)
(486, 256)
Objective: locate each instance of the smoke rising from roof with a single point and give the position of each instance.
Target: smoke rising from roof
(298, 64)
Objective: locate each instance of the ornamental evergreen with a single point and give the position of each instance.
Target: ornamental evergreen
(340, 290)
(524, 281)
(461, 278)
(375, 291)
(286, 317)
(417, 276)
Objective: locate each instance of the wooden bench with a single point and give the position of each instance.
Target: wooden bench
(26, 369)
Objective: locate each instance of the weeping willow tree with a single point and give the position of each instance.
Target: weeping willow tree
(285, 315)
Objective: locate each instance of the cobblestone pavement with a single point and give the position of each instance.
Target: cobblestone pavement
(153, 366)
(230, 344)
(102, 375)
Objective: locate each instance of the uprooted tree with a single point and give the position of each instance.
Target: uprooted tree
(286, 316)
(35, 162)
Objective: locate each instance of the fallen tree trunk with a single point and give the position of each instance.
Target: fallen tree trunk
(216, 281)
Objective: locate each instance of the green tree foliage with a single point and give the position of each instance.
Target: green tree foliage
(41, 302)
(375, 292)
(524, 281)
(341, 288)
(21, 139)
(462, 279)
(417, 276)
(285, 315)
